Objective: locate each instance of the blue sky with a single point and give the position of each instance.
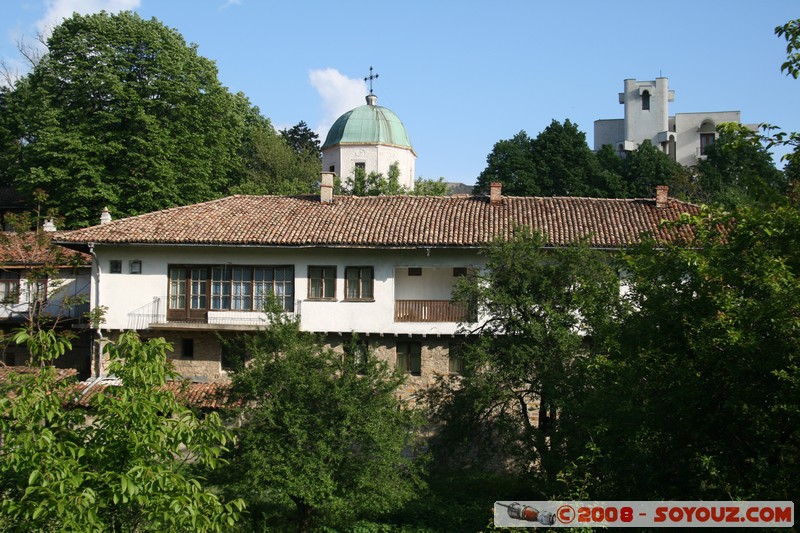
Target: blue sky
(463, 75)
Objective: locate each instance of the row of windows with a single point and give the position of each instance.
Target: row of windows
(358, 283)
(247, 288)
(230, 288)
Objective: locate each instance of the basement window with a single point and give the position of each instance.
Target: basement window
(187, 348)
(409, 358)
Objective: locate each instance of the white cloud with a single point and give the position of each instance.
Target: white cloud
(230, 3)
(58, 10)
(339, 94)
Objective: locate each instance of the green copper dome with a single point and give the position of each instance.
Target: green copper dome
(368, 124)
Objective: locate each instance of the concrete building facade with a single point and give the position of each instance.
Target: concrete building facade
(683, 136)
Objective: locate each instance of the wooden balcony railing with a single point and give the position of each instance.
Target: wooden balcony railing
(429, 311)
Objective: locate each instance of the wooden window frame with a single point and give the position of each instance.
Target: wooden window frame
(327, 282)
(359, 284)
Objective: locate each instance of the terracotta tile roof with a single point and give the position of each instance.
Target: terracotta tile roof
(61, 373)
(389, 221)
(29, 249)
(202, 395)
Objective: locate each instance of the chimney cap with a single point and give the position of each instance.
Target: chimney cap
(105, 216)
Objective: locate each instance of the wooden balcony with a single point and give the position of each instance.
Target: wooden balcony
(429, 311)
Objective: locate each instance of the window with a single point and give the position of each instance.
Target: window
(198, 286)
(359, 283)
(187, 348)
(706, 140)
(332, 168)
(361, 165)
(115, 266)
(230, 288)
(456, 359)
(9, 287)
(322, 282)
(459, 272)
(177, 288)
(135, 267)
(414, 271)
(646, 101)
(409, 357)
(36, 291)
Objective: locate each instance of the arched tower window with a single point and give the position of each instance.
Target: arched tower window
(646, 101)
(707, 135)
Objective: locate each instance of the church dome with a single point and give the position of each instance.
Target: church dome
(368, 124)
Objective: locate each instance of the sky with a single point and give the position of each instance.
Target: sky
(465, 74)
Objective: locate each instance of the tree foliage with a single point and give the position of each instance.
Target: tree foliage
(121, 112)
(302, 140)
(271, 165)
(700, 397)
(791, 32)
(739, 170)
(123, 470)
(684, 385)
(322, 432)
(523, 367)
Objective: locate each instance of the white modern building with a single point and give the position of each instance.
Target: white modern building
(683, 136)
(383, 267)
(370, 137)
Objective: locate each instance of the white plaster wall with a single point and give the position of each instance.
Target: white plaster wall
(65, 285)
(376, 158)
(688, 138)
(126, 293)
(646, 124)
(608, 131)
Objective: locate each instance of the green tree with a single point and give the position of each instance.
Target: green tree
(646, 167)
(700, 396)
(511, 163)
(423, 187)
(323, 433)
(374, 183)
(123, 469)
(269, 165)
(558, 162)
(120, 112)
(739, 170)
(525, 364)
(302, 140)
(791, 32)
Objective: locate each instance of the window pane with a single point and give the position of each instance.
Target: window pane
(198, 294)
(366, 283)
(330, 282)
(177, 288)
(352, 283)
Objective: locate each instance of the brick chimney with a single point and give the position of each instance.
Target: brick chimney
(105, 216)
(495, 193)
(326, 187)
(662, 196)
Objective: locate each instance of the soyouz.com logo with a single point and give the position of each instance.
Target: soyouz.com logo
(643, 514)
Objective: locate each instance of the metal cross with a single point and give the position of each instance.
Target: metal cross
(370, 78)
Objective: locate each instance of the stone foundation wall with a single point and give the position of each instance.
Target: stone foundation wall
(202, 365)
(435, 358)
